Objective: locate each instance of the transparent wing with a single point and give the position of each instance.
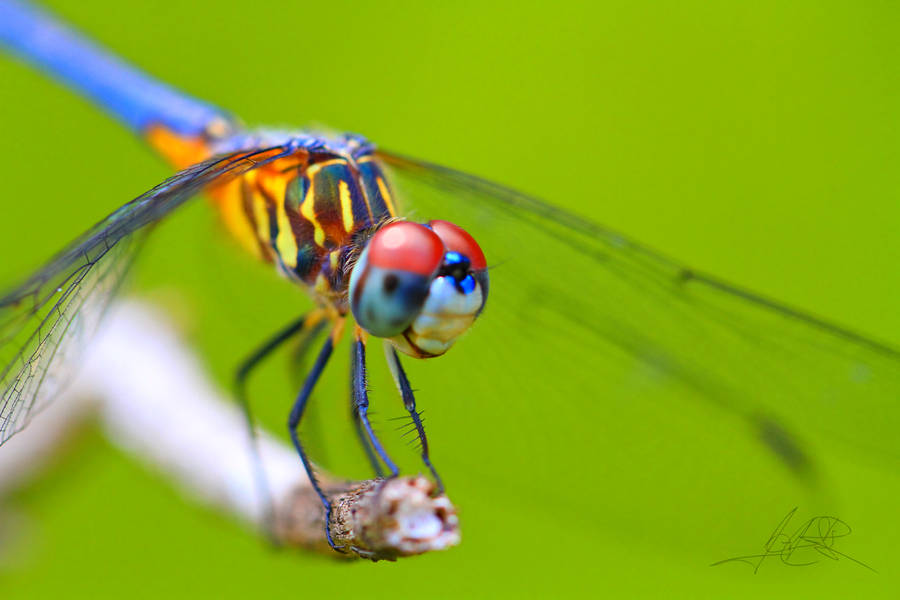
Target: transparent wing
(45, 320)
(589, 321)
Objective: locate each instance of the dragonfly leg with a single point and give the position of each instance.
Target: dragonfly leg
(312, 421)
(312, 320)
(361, 402)
(409, 401)
(297, 414)
(361, 434)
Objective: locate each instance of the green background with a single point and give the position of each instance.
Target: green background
(758, 142)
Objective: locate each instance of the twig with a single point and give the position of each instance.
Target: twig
(378, 519)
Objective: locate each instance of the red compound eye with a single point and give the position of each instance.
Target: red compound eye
(407, 247)
(457, 239)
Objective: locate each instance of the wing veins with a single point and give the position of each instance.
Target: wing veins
(514, 202)
(37, 352)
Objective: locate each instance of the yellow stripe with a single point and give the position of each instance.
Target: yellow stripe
(386, 195)
(315, 168)
(285, 241)
(307, 208)
(308, 211)
(346, 205)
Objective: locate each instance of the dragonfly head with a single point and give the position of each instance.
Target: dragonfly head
(420, 286)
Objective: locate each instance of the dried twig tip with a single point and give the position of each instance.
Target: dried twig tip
(378, 519)
(385, 519)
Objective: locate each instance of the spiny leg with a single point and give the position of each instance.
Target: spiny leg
(361, 402)
(360, 433)
(409, 401)
(297, 414)
(243, 372)
(357, 421)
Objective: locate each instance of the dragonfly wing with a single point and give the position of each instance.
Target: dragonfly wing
(606, 318)
(44, 320)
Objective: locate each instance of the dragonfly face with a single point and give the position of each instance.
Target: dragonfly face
(421, 286)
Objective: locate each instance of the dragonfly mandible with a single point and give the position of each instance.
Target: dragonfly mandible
(328, 213)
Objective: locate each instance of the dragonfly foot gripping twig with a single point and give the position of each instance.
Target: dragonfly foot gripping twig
(378, 519)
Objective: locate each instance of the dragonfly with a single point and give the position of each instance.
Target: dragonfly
(385, 245)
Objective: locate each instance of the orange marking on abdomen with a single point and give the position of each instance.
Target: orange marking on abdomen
(228, 198)
(181, 152)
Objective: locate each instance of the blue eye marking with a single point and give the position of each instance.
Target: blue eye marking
(454, 258)
(467, 285)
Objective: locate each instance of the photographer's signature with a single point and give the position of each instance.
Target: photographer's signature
(815, 538)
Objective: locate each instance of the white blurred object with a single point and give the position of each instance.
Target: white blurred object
(159, 405)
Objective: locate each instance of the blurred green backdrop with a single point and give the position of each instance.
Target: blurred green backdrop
(757, 142)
